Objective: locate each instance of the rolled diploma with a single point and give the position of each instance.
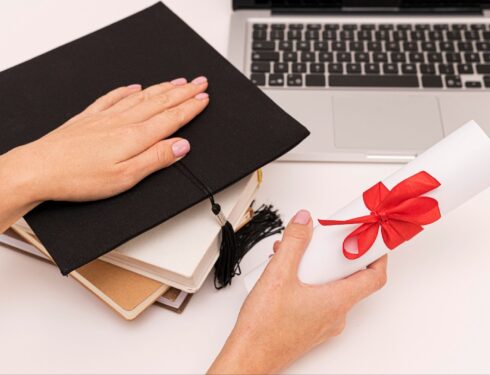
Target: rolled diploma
(460, 162)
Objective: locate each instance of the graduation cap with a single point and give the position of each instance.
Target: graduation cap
(240, 131)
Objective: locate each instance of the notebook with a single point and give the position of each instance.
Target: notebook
(240, 131)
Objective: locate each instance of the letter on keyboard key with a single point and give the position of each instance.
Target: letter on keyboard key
(315, 80)
(373, 81)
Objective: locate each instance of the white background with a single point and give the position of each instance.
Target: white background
(433, 316)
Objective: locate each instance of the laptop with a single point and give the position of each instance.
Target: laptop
(374, 81)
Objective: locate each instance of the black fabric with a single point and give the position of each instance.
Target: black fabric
(240, 131)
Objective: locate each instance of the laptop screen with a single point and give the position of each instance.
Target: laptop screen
(368, 5)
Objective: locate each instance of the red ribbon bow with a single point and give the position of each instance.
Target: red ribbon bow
(400, 213)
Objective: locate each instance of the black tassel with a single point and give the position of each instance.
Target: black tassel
(264, 223)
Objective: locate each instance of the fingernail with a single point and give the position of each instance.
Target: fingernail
(181, 148)
(135, 86)
(201, 96)
(199, 80)
(302, 217)
(179, 82)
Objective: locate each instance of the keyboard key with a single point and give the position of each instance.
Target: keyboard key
(471, 57)
(303, 46)
(386, 26)
(320, 46)
(295, 80)
(435, 35)
(483, 46)
(354, 68)
(409, 69)
(472, 35)
(422, 27)
(329, 35)
(417, 35)
(446, 46)
(308, 56)
(276, 80)
(265, 56)
(453, 82)
(313, 26)
(335, 68)
(453, 35)
(356, 46)
(259, 35)
(380, 57)
(263, 45)
(441, 26)
(325, 56)
(486, 35)
(344, 57)
(375, 46)
(331, 27)
(290, 56)
(486, 80)
(364, 35)
(410, 46)
(286, 45)
(465, 69)
(363, 57)
(458, 26)
(483, 68)
(298, 67)
(349, 26)
(261, 67)
(392, 46)
(258, 79)
(400, 35)
(294, 35)
(277, 35)
(473, 84)
(339, 46)
(346, 35)
(281, 67)
(434, 57)
(428, 46)
(416, 57)
(312, 35)
(431, 81)
(260, 26)
(465, 46)
(372, 81)
(427, 69)
(486, 57)
(446, 69)
(368, 26)
(404, 26)
(390, 68)
(317, 68)
(398, 57)
(296, 26)
(371, 68)
(315, 80)
(382, 35)
(453, 57)
(478, 26)
(278, 26)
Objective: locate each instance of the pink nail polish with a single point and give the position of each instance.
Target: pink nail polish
(201, 96)
(181, 148)
(302, 217)
(179, 82)
(135, 86)
(199, 80)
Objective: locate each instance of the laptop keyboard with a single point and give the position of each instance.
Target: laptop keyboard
(430, 56)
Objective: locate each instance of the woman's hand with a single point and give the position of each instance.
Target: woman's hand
(108, 148)
(283, 318)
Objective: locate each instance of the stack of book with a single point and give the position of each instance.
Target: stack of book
(163, 265)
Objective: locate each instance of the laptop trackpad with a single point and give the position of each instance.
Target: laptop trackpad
(386, 122)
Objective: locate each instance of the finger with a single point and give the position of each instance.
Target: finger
(295, 241)
(111, 98)
(156, 104)
(167, 123)
(158, 156)
(276, 245)
(132, 100)
(363, 283)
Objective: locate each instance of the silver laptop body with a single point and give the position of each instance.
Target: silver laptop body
(372, 83)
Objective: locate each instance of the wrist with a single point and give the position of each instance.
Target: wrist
(18, 182)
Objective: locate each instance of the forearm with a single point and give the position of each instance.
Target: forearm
(16, 188)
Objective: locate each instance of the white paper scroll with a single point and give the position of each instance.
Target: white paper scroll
(460, 162)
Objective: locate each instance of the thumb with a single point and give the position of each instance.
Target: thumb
(295, 240)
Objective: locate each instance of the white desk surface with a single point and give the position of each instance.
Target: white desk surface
(432, 317)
